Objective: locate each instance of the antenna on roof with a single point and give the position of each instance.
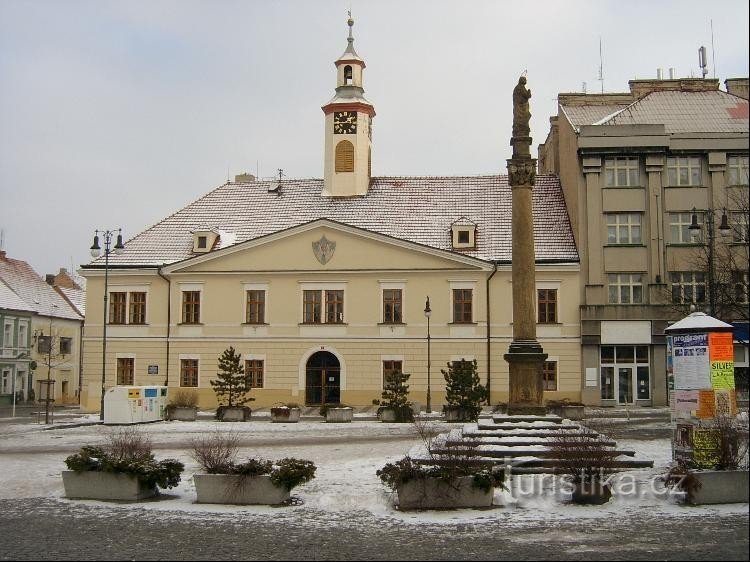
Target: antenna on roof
(583, 87)
(702, 63)
(601, 64)
(2, 239)
(277, 188)
(713, 52)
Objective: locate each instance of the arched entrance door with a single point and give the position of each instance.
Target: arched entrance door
(323, 379)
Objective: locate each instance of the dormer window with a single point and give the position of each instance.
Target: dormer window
(463, 234)
(204, 241)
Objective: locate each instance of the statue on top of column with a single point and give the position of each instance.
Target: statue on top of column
(521, 113)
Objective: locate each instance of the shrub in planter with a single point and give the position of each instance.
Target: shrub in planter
(126, 454)
(394, 403)
(285, 413)
(183, 405)
(337, 412)
(453, 479)
(232, 387)
(586, 460)
(464, 393)
(254, 481)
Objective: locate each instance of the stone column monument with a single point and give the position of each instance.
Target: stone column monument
(525, 355)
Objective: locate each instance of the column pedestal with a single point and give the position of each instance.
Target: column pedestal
(526, 385)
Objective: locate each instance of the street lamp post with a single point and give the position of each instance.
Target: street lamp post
(724, 229)
(96, 251)
(427, 313)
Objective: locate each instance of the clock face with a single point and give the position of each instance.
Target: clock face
(345, 122)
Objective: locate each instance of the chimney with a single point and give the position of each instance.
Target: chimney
(50, 279)
(737, 87)
(244, 178)
(671, 73)
(659, 72)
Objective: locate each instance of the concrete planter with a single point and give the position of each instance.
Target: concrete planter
(720, 486)
(285, 415)
(435, 493)
(339, 415)
(93, 485)
(182, 413)
(456, 414)
(591, 493)
(238, 490)
(567, 412)
(234, 414)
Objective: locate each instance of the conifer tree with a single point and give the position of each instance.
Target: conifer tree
(463, 389)
(395, 395)
(231, 385)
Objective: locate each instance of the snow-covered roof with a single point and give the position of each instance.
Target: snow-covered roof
(41, 297)
(11, 301)
(415, 209)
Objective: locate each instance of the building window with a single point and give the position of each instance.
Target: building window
(254, 373)
(312, 305)
(392, 306)
(344, 156)
(334, 306)
(546, 306)
(189, 372)
(191, 307)
(684, 171)
(549, 375)
(740, 282)
(66, 346)
(621, 172)
(462, 304)
(679, 231)
(202, 242)
(625, 373)
(390, 367)
(22, 335)
(688, 287)
(117, 307)
(137, 308)
(737, 170)
(624, 228)
(125, 371)
(8, 335)
(256, 307)
(625, 288)
(740, 227)
(43, 344)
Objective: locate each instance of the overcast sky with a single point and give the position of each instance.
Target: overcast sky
(119, 113)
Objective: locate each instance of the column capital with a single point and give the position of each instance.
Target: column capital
(521, 171)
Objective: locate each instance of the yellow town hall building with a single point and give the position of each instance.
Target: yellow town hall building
(322, 285)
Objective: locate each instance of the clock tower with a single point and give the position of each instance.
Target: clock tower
(348, 126)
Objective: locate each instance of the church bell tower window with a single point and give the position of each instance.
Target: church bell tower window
(345, 156)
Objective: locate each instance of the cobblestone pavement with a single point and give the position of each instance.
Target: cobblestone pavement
(49, 529)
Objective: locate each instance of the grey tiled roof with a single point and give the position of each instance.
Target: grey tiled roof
(589, 114)
(416, 209)
(687, 112)
(41, 297)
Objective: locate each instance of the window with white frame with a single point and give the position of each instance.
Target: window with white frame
(684, 171)
(621, 172)
(323, 306)
(125, 370)
(625, 288)
(679, 228)
(8, 334)
(688, 287)
(740, 227)
(737, 170)
(623, 228)
(254, 369)
(189, 372)
(23, 334)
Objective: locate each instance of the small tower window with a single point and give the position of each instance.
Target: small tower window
(347, 75)
(202, 242)
(464, 234)
(344, 157)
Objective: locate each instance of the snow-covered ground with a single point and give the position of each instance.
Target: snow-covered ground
(347, 456)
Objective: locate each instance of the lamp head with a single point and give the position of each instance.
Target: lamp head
(427, 309)
(119, 246)
(96, 250)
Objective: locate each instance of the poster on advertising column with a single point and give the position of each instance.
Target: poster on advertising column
(690, 362)
(721, 353)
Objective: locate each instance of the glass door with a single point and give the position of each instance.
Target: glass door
(625, 385)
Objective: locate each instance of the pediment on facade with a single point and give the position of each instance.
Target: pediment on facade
(325, 245)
